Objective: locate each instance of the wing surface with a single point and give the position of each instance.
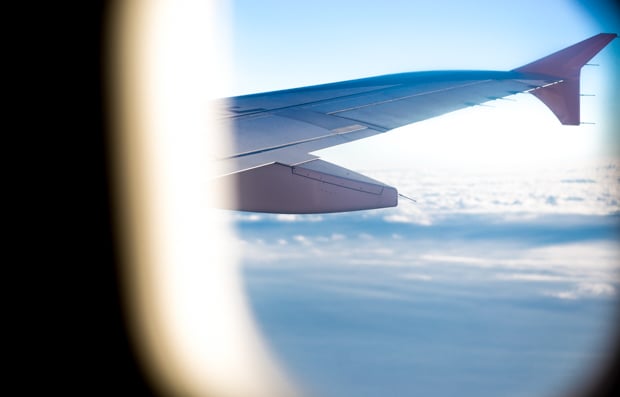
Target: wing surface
(273, 133)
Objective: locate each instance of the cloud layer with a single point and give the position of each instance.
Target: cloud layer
(554, 229)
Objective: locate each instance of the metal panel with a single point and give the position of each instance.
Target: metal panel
(271, 131)
(295, 97)
(396, 113)
(329, 122)
(329, 173)
(279, 188)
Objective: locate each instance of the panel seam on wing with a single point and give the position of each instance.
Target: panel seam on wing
(338, 131)
(408, 96)
(338, 181)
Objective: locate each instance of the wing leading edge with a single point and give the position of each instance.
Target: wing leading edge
(271, 167)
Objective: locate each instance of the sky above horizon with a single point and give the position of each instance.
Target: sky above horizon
(503, 278)
(279, 45)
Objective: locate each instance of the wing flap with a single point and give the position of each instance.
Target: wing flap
(313, 187)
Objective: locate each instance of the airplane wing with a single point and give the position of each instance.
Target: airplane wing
(270, 164)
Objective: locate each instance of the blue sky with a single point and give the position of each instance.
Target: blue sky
(279, 44)
(502, 279)
(288, 43)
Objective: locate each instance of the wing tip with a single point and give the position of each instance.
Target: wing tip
(567, 62)
(562, 98)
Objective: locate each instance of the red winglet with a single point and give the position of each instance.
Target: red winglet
(563, 98)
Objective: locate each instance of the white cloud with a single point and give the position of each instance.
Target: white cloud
(366, 261)
(296, 217)
(382, 251)
(531, 277)
(287, 217)
(422, 220)
(585, 261)
(596, 289)
(570, 295)
(462, 260)
(338, 237)
(399, 218)
(245, 217)
(363, 292)
(302, 239)
(584, 188)
(585, 290)
(417, 276)
(590, 262)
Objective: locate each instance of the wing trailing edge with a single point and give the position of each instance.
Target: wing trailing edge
(562, 98)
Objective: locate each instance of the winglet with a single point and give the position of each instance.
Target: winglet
(563, 98)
